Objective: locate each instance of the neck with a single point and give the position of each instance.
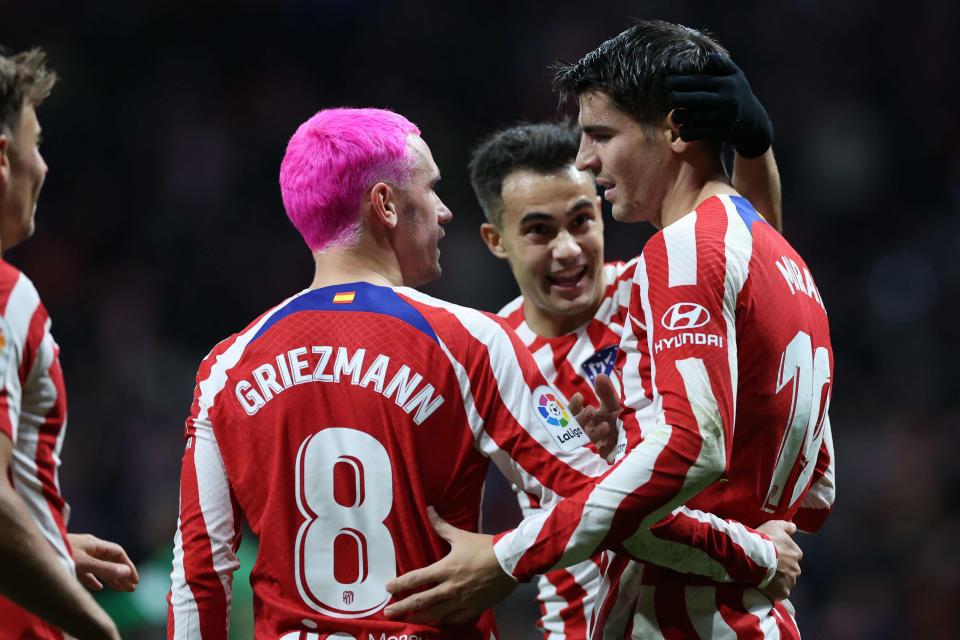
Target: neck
(698, 178)
(341, 265)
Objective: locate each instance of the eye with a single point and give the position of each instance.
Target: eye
(580, 221)
(536, 229)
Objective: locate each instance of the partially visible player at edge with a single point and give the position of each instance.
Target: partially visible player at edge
(336, 418)
(40, 596)
(727, 368)
(543, 217)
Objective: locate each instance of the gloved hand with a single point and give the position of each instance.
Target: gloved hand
(719, 104)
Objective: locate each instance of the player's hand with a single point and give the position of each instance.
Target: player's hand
(98, 560)
(788, 558)
(468, 580)
(718, 104)
(599, 423)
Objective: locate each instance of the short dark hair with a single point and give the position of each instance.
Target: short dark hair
(24, 79)
(632, 66)
(544, 147)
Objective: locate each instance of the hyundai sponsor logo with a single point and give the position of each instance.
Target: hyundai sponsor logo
(685, 315)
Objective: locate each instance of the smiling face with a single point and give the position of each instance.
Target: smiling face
(630, 160)
(421, 214)
(23, 172)
(552, 236)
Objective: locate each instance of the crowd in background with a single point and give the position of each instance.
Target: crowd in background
(160, 231)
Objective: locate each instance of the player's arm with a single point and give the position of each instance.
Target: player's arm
(32, 575)
(688, 540)
(718, 104)
(206, 541)
(818, 501)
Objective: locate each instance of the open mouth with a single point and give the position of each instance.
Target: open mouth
(567, 278)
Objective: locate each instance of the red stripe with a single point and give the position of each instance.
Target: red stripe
(670, 604)
(731, 608)
(572, 614)
(31, 345)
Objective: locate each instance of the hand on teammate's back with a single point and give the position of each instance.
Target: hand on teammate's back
(98, 560)
(468, 580)
(719, 104)
(599, 423)
(788, 558)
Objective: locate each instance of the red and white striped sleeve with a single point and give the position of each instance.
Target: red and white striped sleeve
(208, 529)
(818, 501)
(687, 446)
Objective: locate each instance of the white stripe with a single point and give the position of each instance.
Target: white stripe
(644, 623)
(623, 609)
(681, 252)
(738, 247)
(703, 614)
(759, 606)
(711, 460)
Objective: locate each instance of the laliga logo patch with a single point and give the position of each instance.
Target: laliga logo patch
(552, 411)
(560, 425)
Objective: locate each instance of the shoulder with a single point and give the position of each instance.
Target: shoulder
(455, 323)
(19, 305)
(707, 247)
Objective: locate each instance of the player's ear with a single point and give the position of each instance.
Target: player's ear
(677, 144)
(491, 235)
(383, 204)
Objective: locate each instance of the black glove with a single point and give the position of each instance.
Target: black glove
(718, 104)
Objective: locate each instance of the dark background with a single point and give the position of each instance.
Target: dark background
(160, 231)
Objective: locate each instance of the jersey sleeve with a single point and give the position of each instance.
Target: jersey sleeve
(693, 382)
(10, 387)
(207, 537)
(818, 501)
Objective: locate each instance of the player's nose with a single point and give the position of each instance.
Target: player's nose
(587, 158)
(565, 247)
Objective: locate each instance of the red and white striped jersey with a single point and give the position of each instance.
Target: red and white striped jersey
(33, 414)
(733, 407)
(330, 424)
(570, 363)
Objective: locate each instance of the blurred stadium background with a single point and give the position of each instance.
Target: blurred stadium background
(160, 231)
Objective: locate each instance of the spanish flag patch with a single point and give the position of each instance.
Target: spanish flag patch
(344, 297)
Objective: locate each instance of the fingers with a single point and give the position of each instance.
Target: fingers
(718, 64)
(790, 528)
(576, 403)
(443, 528)
(90, 582)
(609, 400)
(416, 578)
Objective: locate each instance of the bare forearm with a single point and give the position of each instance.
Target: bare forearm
(33, 577)
(758, 180)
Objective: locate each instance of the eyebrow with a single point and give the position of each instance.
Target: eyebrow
(537, 215)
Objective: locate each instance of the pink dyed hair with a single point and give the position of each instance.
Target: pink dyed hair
(330, 162)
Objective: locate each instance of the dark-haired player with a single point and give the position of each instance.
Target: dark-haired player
(727, 345)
